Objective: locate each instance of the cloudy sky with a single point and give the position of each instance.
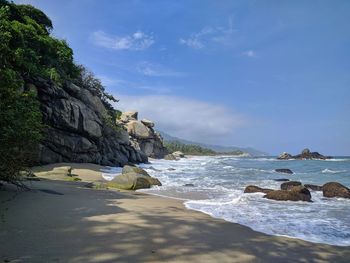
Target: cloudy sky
(274, 75)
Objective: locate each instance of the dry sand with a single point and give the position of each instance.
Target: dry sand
(61, 221)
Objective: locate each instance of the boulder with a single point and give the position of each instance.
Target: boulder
(138, 130)
(256, 189)
(334, 189)
(129, 181)
(297, 193)
(178, 154)
(189, 185)
(148, 123)
(285, 156)
(282, 180)
(284, 170)
(170, 157)
(128, 116)
(134, 169)
(290, 185)
(313, 187)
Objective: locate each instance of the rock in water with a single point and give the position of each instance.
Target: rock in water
(297, 193)
(256, 189)
(290, 185)
(313, 187)
(334, 189)
(178, 154)
(282, 180)
(285, 156)
(284, 170)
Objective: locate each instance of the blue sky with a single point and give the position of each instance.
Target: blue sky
(274, 75)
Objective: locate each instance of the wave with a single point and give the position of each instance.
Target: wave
(332, 171)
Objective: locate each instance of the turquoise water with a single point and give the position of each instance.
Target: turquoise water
(218, 188)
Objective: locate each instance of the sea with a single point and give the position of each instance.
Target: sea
(215, 186)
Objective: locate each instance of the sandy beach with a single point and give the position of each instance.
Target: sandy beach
(60, 221)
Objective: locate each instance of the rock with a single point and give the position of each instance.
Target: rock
(142, 135)
(129, 116)
(256, 189)
(148, 123)
(129, 181)
(138, 130)
(290, 185)
(334, 189)
(170, 157)
(306, 154)
(313, 187)
(178, 154)
(134, 169)
(284, 156)
(76, 129)
(284, 170)
(189, 185)
(297, 193)
(171, 169)
(282, 180)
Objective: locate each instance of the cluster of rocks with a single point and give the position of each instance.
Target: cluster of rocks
(174, 156)
(306, 154)
(133, 178)
(142, 135)
(77, 128)
(295, 191)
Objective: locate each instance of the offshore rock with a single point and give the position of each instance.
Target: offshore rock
(297, 193)
(334, 189)
(306, 154)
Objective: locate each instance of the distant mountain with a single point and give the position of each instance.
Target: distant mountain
(217, 148)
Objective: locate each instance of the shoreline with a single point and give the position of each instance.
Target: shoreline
(71, 223)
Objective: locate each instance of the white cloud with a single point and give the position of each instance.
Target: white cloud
(210, 35)
(136, 41)
(185, 118)
(249, 53)
(156, 70)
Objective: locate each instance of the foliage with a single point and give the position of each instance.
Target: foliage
(189, 149)
(27, 51)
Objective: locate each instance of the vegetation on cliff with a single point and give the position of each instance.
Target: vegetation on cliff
(27, 53)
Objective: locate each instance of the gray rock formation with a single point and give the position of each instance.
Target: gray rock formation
(334, 189)
(306, 154)
(78, 129)
(142, 135)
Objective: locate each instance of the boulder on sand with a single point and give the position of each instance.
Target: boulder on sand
(297, 193)
(170, 157)
(178, 154)
(133, 181)
(289, 185)
(134, 169)
(334, 189)
(256, 189)
(284, 170)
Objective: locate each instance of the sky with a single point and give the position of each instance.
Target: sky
(273, 75)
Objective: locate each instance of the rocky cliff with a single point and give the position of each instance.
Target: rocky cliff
(142, 135)
(79, 129)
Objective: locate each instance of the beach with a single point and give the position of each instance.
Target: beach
(60, 221)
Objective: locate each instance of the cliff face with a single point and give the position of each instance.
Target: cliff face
(142, 135)
(78, 130)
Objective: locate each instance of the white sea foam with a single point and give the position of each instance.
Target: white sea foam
(332, 171)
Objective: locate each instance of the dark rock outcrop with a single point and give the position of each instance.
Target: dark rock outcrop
(313, 187)
(142, 135)
(306, 154)
(256, 189)
(284, 170)
(290, 185)
(77, 128)
(297, 193)
(334, 189)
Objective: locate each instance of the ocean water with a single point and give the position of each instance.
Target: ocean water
(219, 182)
